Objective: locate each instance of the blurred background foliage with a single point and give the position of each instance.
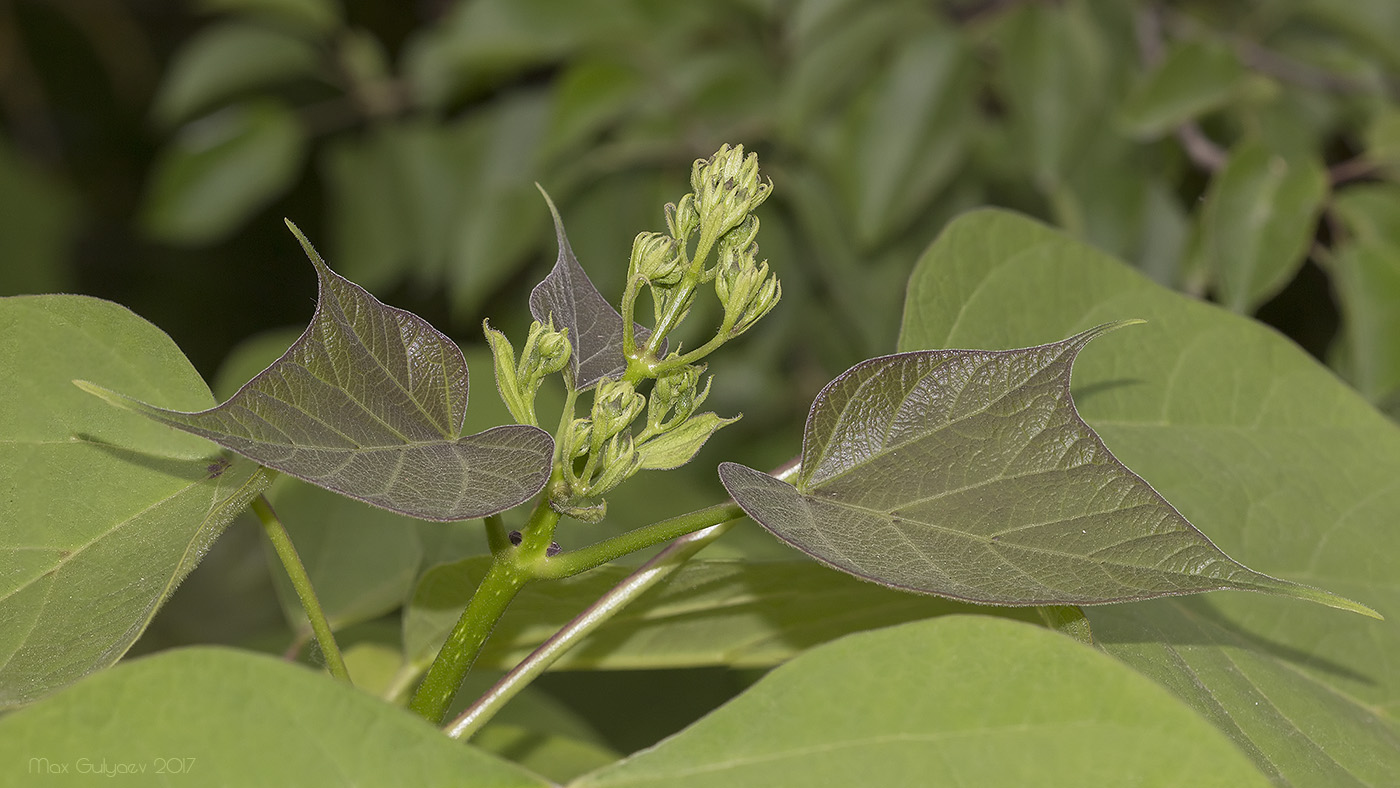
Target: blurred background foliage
(1243, 152)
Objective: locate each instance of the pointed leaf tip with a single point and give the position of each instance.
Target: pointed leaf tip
(369, 402)
(572, 301)
(969, 474)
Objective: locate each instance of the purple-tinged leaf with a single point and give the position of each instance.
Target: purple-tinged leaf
(369, 403)
(969, 474)
(570, 298)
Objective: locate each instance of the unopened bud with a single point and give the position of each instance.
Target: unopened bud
(655, 257)
(616, 404)
(681, 218)
(546, 352)
(618, 462)
(727, 187)
(677, 392)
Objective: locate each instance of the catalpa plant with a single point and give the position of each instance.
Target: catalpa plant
(964, 474)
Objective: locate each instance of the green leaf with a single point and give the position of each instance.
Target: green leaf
(568, 297)
(214, 716)
(35, 230)
(221, 169)
(1366, 276)
(1195, 78)
(104, 512)
(743, 614)
(969, 474)
(369, 403)
(1247, 436)
(1258, 221)
(1299, 733)
(224, 60)
(961, 700)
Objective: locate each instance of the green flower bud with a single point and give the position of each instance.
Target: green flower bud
(736, 265)
(655, 257)
(616, 404)
(747, 294)
(727, 188)
(681, 219)
(576, 441)
(677, 393)
(617, 463)
(546, 352)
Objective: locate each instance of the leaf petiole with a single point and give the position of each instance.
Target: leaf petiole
(287, 552)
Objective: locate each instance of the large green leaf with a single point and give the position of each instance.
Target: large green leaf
(213, 716)
(969, 474)
(1258, 221)
(104, 512)
(956, 701)
(217, 172)
(369, 403)
(1249, 438)
(732, 613)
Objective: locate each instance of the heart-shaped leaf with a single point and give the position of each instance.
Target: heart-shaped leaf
(369, 403)
(969, 474)
(568, 297)
(102, 513)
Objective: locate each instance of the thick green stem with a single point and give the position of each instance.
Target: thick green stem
(636, 584)
(649, 574)
(502, 582)
(595, 555)
(287, 552)
(510, 570)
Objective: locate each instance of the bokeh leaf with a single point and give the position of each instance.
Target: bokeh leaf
(225, 60)
(568, 297)
(37, 213)
(1366, 274)
(221, 169)
(1196, 77)
(1247, 436)
(969, 474)
(1055, 81)
(1257, 222)
(105, 512)
(310, 15)
(369, 403)
(277, 724)
(1011, 704)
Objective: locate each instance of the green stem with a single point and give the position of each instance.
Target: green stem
(668, 321)
(502, 582)
(287, 552)
(633, 586)
(649, 574)
(510, 570)
(595, 555)
(497, 540)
